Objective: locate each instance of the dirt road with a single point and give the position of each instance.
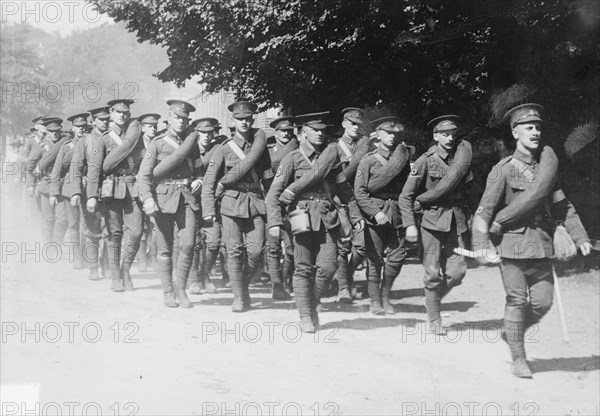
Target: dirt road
(71, 345)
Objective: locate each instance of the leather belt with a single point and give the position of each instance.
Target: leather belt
(247, 187)
(391, 196)
(171, 181)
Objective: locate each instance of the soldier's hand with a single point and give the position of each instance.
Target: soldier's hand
(91, 204)
(487, 255)
(196, 186)
(30, 190)
(417, 207)
(220, 190)
(52, 200)
(359, 226)
(412, 234)
(150, 207)
(586, 248)
(275, 231)
(75, 200)
(381, 218)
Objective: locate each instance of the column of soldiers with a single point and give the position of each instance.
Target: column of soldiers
(317, 207)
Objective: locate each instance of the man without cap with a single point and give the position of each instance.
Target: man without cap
(315, 250)
(379, 206)
(351, 252)
(170, 199)
(121, 160)
(243, 210)
(60, 194)
(84, 192)
(208, 234)
(147, 250)
(281, 273)
(444, 221)
(526, 247)
(54, 221)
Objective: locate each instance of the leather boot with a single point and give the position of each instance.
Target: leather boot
(279, 293)
(126, 277)
(237, 287)
(194, 277)
(180, 293)
(143, 256)
(433, 304)
(104, 261)
(515, 334)
(342, 275)
(376, 308)
(165, 273)
(114, 253)
(385, 301)
(389, 275)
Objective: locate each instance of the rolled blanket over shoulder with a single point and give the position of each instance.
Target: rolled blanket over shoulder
(120, 153)
(49, 157)
(533, 198)
(397, 162)
(325, 162)
(259, 146)
(457, 169)
(362, 148)
(177, 157)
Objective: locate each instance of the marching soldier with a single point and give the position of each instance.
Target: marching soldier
(236, 171)
(42, 156)
(149, 123)
(208, 234)
(285, 142)
(377, 186)
(315, 249)
(525, 246)
(85, 192)
(60, 193)
(170, 199)
(120, 163)
(32, 198)
(444, 221)
(352, 147)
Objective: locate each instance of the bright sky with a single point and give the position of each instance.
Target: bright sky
(61, 16)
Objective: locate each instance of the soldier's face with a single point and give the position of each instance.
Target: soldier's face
(313, 136)
(149, 130)
(387, 138)
(79, 131)
(283, 136)
(445, 139)
(177, 123)
(101, 124)
(243, 125)
(528, 136)
(51, 135)
(205, 137)
(350, 128)
(119, 117)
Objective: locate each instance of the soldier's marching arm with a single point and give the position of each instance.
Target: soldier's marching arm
(146, 179)
(414, 183)
(214, 171)
(283, 177)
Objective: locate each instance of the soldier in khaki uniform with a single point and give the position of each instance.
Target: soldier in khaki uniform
(171, 201)
(315, 249)
(60, 193)
(243, 210)
(381, 211)
(444, 221)
(280, 273)
(122, 208)
(208, 233)
(352, 147)
(54, 219)
(84, 192)
(146, 254)
(526, 246)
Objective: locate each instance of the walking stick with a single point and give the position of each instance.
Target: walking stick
(561, 312)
